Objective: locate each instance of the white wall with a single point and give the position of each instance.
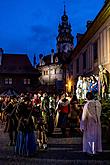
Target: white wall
(103, 37)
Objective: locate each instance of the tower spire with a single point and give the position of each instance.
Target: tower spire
(34, 60)
(64, 8)
(64, 38)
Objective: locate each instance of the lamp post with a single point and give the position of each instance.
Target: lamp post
(66, 57)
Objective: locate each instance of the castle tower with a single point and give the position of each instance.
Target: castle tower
(64, 38)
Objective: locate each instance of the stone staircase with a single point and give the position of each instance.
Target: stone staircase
(61, 151)
(58, 139)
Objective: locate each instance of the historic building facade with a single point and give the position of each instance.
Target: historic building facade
(51, 72)
(64, 38)
(54, 67)
(93, 47)
(17, 73)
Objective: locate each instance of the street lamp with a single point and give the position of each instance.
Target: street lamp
(69, 85)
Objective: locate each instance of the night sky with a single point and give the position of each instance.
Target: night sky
(31, 26)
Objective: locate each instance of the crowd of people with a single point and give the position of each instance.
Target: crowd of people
(31, 118)
(97, 84)
(25, 114)
(86, 84)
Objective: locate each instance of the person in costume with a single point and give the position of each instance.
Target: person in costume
(103, 82)
(90, 125)
(26, 143)
(11, 120)
(74, 116)
(94, 86)
(84, 87)
(38, 122)
(79, 88)
(44, 128)
(64, 109)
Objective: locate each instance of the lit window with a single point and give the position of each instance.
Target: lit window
(55, 71)
(8, 80)
(27, 81)
(56, 59)
(46, 72)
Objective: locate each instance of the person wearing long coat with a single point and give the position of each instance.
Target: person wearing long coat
(90, 125)
(25, 143)
(9, 109)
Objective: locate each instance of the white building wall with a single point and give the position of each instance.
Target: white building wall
(51, 76)
(103, 37)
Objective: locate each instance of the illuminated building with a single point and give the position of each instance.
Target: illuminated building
(54, 67)
(93, 47)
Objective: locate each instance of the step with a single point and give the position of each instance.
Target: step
(59, 129)
(73, 140)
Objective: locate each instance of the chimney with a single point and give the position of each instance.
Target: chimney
(1, 53)
(79, 36)
(52, 54)
(88, 24)
(34, 60)
(40, 57)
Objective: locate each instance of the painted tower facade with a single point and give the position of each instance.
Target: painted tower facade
(64, 38)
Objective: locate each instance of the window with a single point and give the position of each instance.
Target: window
(55, 71)
(95, 50)
(8, 81)
(84, 59)
(46, 72)
(56, 59)
(77, 65)
(60, 70)
(27, 81)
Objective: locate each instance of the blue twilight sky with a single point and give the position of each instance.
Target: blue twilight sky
(31, 26)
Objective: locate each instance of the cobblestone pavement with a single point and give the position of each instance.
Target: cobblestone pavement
(61, 151)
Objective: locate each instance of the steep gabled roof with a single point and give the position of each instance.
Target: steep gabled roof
(16, 63)
(47, 59)
(15, 59)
